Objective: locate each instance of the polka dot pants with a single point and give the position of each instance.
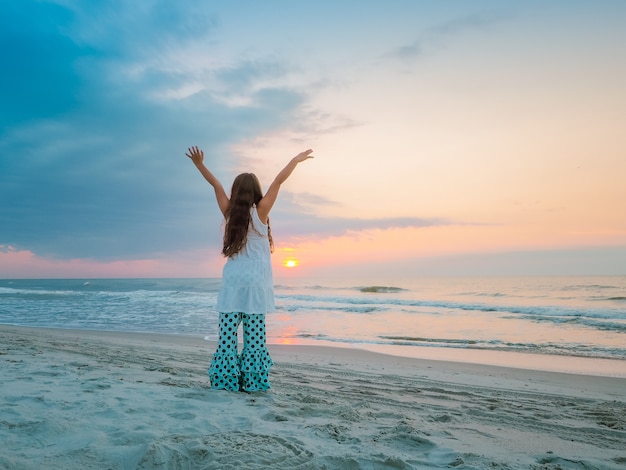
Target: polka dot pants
(249, 371)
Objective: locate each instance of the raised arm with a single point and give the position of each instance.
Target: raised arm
(265, 205)
(197, 156)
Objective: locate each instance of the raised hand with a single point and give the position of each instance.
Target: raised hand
(196, 155)
(302, 156)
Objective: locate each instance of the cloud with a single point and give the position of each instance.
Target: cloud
(438, 35)
(98, 170)
(93, 165)
(483, 21)
(16, 263)
(330, 226)
(583, 261)
(294, 217)
(590, 261)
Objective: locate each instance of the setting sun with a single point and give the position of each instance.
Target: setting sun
(290, 263)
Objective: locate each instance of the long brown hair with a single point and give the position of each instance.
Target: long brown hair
(245, 193)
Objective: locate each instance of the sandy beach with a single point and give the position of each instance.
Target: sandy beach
(97, 400)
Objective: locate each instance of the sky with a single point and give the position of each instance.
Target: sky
(450, 137)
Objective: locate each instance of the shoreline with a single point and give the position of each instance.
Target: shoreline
(79, 399)
(354, 359)
(576, 365)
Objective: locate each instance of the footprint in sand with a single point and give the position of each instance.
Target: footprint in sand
(231, 450)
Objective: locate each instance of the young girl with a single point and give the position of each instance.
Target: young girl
(247, 291)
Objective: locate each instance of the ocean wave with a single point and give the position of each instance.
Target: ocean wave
(102, 295)
(8, 292)
(412, 339)
(589, 286)
(598, 324)
(296, 302)
(182, 306)
(489, 294)
(554, 349)
(332, 308)
(315, 287)
(310, 335)
(380, 289)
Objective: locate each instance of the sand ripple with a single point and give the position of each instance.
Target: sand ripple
(226, 450)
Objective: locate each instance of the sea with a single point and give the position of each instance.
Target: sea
(564, 324)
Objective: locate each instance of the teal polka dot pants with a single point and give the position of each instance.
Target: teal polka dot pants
(249, 371)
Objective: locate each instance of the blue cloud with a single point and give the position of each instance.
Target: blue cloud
(108, 183)
(93, 165)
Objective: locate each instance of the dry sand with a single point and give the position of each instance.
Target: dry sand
(97, 400)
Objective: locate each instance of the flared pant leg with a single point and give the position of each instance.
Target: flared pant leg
(255, 360)
(224, 372)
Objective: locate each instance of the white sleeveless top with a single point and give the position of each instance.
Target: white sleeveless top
(247, 284)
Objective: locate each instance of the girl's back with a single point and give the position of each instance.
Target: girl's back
(257, 245)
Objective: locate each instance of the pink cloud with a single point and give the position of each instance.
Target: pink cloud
(16, 263)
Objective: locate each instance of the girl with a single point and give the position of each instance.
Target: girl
(247, 291)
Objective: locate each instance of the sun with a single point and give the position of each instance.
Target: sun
(290, 263)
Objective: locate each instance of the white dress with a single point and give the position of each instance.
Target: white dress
(247, 284)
